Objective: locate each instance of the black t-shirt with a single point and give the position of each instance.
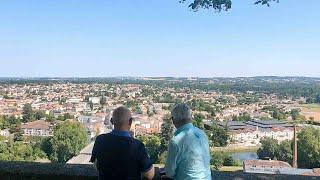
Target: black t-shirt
(120, 157)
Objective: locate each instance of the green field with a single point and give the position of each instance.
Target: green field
(311, 106)
(235, 149)
(231, 168)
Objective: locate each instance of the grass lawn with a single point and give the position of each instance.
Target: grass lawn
(311, 106)
(311, 110)
(235, 149)
(231, 168)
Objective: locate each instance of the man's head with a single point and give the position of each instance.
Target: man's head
(121, 119)
(181, 115)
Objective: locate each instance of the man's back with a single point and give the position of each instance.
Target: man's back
(120, 157)
(189, 156)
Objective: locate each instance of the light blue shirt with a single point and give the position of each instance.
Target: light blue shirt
(188, 154)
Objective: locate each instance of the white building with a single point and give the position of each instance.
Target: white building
(250, 133)
(254, 136)
(74, 100)
(4, 133)
(37, 128)
(95, 100)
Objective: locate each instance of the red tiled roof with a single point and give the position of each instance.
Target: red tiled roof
(40, 124)
(316, 172)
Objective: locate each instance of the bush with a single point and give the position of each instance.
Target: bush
(229, 161)
(219, 159)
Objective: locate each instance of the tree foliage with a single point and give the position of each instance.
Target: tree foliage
(131, 103)
(67, 141)
(268, 149)
(198, 121)
(152, 144)
(18, 133)
(295, 114)
(309, 148)
(27, 113)
(219, 5)
(167, 132)
(243, 117)
(218, 136)
(138, 110)
(19, 151)
(4, 122)
(65, 117)
(219, 159)
(200, 105)
(313, 99)
(165, 98)
(276, 113)
(272, 149)
(103, 100)
(39, 115)
(285, 151)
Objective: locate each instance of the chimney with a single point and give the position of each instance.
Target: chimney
(295, 148)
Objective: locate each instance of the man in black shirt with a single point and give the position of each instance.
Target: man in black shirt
(118, 155)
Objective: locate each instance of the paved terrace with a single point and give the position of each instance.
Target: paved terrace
(50, 171)
(84, 156)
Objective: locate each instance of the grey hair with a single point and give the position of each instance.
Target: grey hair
(181, 113)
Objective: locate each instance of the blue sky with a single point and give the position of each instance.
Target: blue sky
(157, 38)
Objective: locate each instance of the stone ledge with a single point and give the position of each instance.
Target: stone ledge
(50, 171)
(31, 170)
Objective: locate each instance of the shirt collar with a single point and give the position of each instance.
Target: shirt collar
(121, 133)
(184, 127)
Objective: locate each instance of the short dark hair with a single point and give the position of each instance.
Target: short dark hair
(121, 115)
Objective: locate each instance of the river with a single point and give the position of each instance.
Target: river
(242, 156)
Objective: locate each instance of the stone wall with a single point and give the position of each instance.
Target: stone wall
(49, 171)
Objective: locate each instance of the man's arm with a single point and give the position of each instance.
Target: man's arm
(149, 174)
(96, 164)
(94, 153)
(171, 163)
(146, 165)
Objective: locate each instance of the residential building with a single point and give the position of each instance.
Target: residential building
(37, 128)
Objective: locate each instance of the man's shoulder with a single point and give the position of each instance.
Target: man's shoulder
(102, 136)
(177, 138)
(196, 129)
(138, 142)
(109, 138)
(189, 134)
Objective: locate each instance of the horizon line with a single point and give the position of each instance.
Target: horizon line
(200, 77)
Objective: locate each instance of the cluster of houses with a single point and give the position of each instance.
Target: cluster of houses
(83, 102)
(251, 132)
(143, 125)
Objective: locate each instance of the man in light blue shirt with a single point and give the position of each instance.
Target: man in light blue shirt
(188, 153)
